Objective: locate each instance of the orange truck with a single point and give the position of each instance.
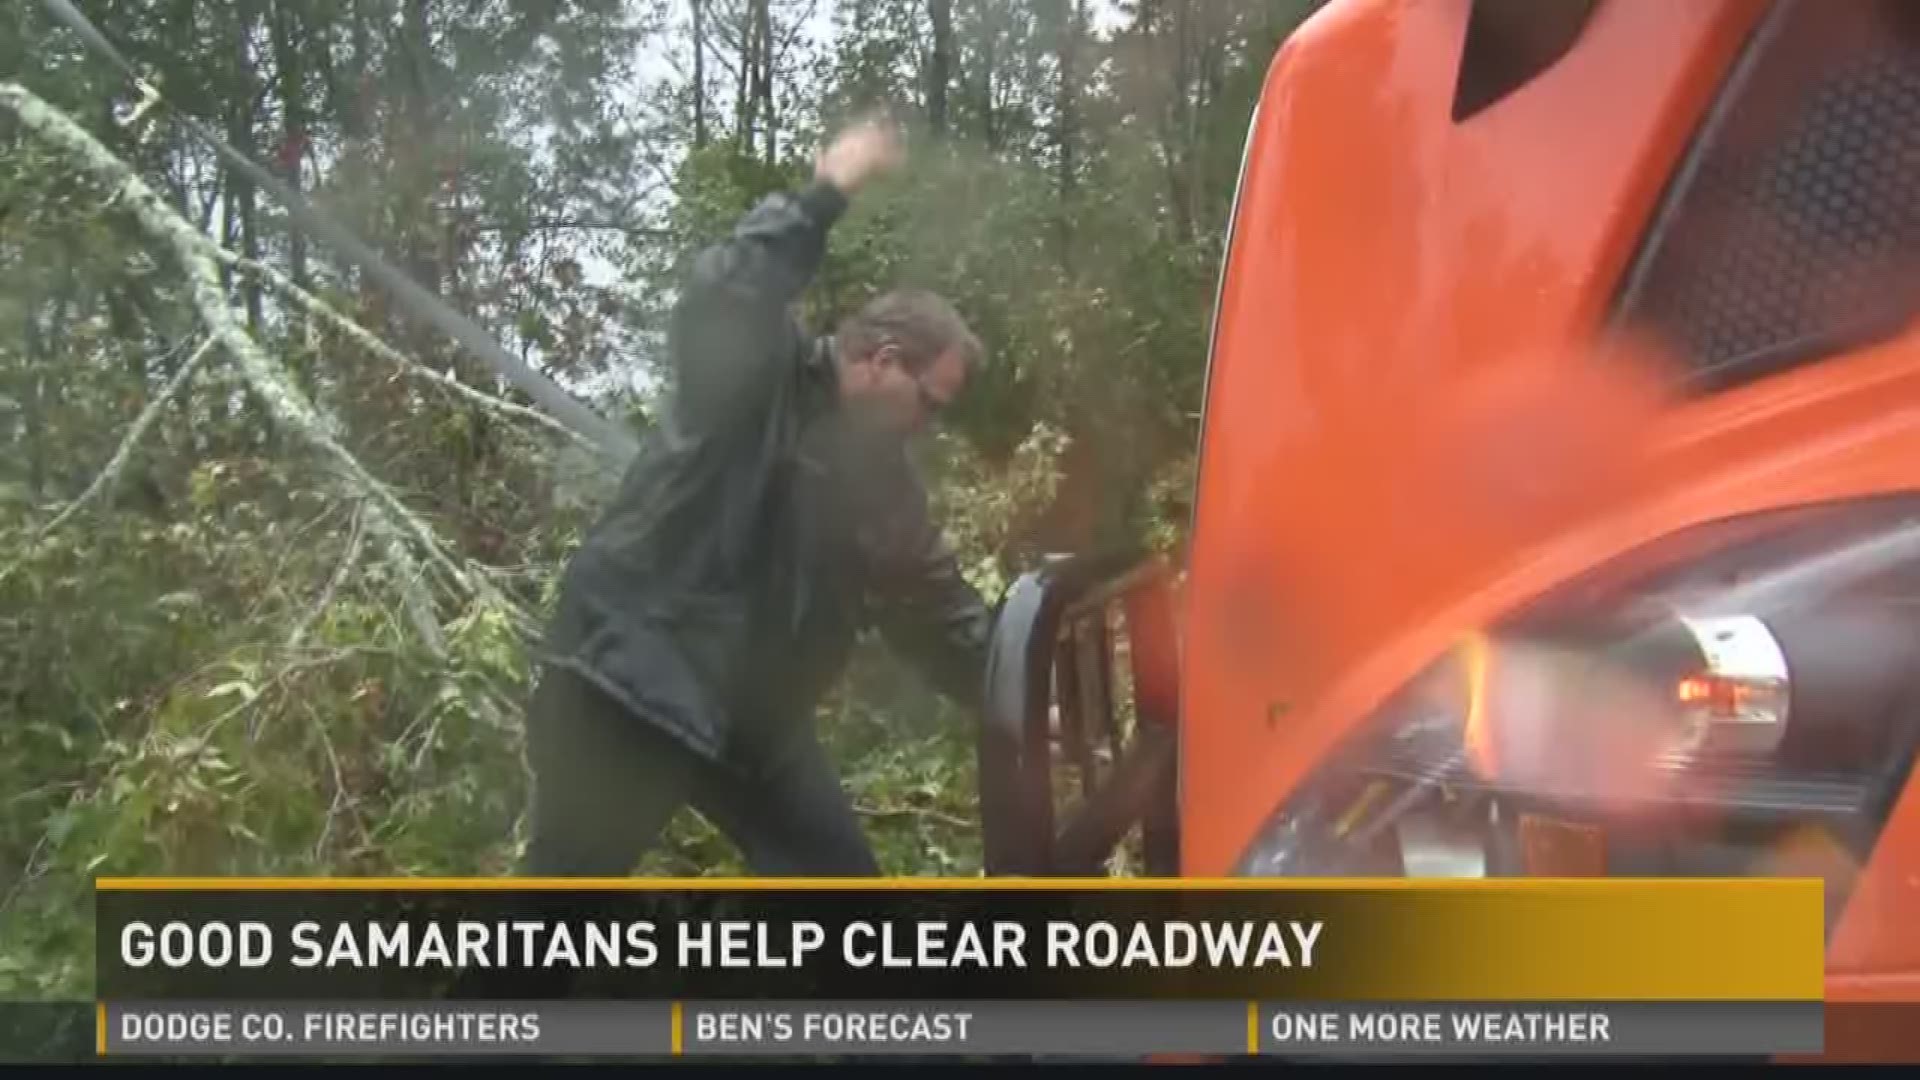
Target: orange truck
(1558, 505)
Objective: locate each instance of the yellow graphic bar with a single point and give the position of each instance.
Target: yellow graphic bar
(902, 884)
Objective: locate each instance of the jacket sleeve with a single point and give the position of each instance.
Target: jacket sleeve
(928, 613)
(733, 324)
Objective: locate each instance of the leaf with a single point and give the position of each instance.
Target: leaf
(245, 689)
(59, 827)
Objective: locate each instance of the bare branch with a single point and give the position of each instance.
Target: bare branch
(339, 791)
(339, 577)
(137, 431)
(28, 873)
(297, 538)
(794, 31)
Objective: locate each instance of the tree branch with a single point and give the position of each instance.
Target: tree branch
(339, 577)
(391, 517)
(368, 340)
(912, 811)
(549, 226)
(137, 431)
(797, 28)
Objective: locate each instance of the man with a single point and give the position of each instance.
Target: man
(773, 514)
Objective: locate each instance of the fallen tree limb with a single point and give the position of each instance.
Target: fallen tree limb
(618, 441)
(390, 517)
(372, 343)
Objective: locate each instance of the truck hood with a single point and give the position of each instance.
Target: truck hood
(1414, 422)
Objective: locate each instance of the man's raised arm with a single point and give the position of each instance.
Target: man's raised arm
(733, 322)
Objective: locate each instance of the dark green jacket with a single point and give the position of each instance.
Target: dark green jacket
(756, 535)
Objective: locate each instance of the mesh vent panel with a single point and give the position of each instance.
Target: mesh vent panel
(1793, 232)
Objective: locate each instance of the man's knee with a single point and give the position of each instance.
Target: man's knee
(601, 788)
(579, 828)
(795, 820)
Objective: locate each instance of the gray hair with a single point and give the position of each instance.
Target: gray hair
(923, 324)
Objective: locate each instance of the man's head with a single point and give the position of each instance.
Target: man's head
(904, 358)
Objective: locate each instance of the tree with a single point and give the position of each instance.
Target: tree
(940, 67)
(699, 75)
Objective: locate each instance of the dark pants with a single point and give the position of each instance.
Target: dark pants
(606, 782)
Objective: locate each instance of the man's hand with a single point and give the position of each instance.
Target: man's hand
(859, 153)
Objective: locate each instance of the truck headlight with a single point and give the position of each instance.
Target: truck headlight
(1701, 708)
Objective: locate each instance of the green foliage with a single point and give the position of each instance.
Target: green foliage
(171, 726)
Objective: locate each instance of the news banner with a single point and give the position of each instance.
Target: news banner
(245, 968)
